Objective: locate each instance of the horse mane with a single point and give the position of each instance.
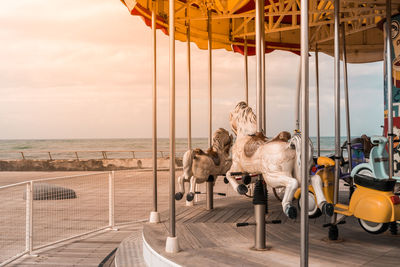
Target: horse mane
(251, 146)
(245, 118)
(217, 143)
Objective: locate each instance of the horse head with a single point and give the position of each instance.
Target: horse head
(243, 120)
(222, 141)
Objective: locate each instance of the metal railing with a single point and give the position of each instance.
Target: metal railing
(93, 154)
(82, 154)
(40, 213)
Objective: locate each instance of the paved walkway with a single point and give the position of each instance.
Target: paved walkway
(89, 251)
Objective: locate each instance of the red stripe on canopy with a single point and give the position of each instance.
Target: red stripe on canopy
(269, 47)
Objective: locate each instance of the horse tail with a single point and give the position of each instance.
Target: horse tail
(295, 142)
(187, 162)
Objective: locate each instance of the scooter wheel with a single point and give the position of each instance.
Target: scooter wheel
(373, 228)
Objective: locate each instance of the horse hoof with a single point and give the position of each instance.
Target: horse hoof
(190, 197)
(291, 212)
(242, 189)
(328, 209)
(178, 196)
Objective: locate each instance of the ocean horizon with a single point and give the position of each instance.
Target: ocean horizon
(11, 149)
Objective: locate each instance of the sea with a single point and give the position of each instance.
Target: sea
(113, 148)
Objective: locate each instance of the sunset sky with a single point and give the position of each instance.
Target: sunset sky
(82, 69)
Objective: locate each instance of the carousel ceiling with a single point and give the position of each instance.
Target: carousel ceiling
(233, 23)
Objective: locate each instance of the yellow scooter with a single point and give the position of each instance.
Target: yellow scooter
(373, 201)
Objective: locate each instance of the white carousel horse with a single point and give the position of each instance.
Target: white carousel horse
(277, 159)
(200, 166)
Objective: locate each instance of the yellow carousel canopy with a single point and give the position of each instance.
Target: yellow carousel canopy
(233, 21)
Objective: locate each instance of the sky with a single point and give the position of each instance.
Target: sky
(83, 69)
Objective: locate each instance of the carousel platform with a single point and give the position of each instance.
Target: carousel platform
(211, 238)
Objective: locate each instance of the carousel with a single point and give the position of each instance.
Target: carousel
(343, 192)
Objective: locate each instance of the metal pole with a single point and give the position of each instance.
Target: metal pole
(172, 118)
(209, 185)
(259, 202)
(154, 43)
(389, 83)
(259, 215)
(263, 93)
(189, 83)
(298, 98)
(210, 195)
(304, 132)
(111, 199)
(246, 72)
(209, 78)
(259, 62)
(29, 218)
(346, 99)
(337, 103)
(317, 100)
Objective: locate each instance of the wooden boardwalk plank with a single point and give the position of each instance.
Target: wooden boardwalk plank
(211, 238)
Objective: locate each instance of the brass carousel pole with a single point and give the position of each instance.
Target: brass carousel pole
(154, 215)
(389, 83)
(210, 181)
(172, 240)
(333, 230)
(259, 209)
(304, 230)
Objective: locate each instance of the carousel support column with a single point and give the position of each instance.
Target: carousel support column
(210, 181)
(263, 92)
(154, 215)
(246, 72)
(304, 133)
(209, 29)
(172, 240)
(189, 99)
(333, 230)
(259, 62)
(346, 99)
(260, 203)
(210, 193)
(389, 83)
(298, 99)
(317, 100)
(259, 209)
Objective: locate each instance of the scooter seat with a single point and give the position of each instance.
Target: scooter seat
(373, 183)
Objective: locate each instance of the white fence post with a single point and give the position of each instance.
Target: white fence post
(111, 199)
(29, 217)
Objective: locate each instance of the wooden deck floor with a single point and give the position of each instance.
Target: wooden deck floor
(211, 238)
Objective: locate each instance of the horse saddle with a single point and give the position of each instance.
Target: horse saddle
(210, 153)
(259, 139)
